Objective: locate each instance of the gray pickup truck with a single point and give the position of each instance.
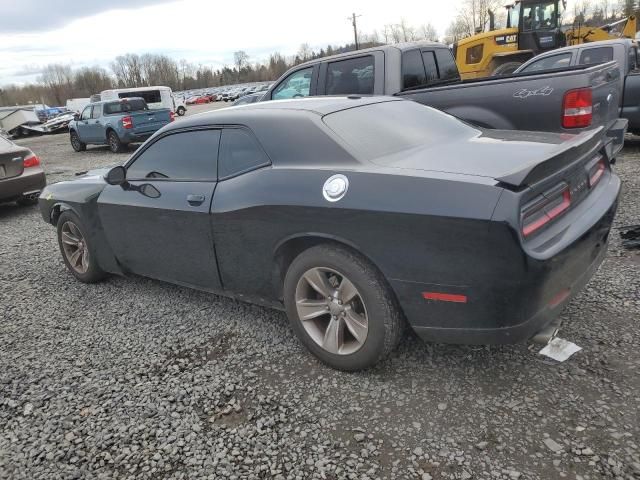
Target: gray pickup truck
(624, 51)
(570, 101)
(116, 123)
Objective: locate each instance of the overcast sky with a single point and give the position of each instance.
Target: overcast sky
(34, 33)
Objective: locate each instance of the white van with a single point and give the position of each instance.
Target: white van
(156, 97)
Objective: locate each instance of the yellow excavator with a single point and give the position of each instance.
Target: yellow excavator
(533, 27)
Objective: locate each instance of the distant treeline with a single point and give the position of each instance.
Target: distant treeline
(59, 82)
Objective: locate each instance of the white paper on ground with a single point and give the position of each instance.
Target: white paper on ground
(559, 349)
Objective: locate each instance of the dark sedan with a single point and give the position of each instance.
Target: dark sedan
(21, 174)
(355, 215)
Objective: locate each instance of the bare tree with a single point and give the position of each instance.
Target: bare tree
(90, 80)
(428, 32)
(240, 59)
(59, 80)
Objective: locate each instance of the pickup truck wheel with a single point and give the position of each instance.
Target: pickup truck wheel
(505, 69)
(77, 251)
(115, 144)
(77, 145)
(181, 111)
(342, 308)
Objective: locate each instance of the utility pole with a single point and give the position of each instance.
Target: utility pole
(355, 28)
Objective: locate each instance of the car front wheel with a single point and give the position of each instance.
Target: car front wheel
(77, 251)
(341, 308)
(181, 111)
(77, 145)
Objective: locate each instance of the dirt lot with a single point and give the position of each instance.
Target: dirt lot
(133, 378)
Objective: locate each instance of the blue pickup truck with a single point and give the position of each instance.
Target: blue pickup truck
(116, 123)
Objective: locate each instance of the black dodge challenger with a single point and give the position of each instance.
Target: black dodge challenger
(355, 215)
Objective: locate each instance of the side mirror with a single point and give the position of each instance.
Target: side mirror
(116, 176)
(76, 116)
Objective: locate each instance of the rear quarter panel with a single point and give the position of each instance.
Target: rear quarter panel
(407, 226)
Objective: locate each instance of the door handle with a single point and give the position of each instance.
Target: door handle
(195, 200)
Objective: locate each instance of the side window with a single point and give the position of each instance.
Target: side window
(553, 61)
(179, 156)
(430, 66)
(412, 70)
(97, 110)
(447, 65)
(474, 54)
(239, 152)
(295, 85)
(354, 75)
(86, 113)
(591, 56)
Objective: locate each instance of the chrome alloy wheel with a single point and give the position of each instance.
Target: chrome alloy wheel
(332, 311)
(75, 247)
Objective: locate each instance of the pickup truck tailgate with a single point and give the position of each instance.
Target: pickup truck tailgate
(150, 121)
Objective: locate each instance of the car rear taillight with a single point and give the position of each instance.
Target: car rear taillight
(596, 171)
(127, 122)
(577, 108)
(31, 161)
(172, 116)
(545, 208)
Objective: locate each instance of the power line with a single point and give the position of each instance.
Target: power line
(355, 28)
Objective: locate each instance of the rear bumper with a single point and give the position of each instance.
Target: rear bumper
(507, 296)
(32, 181)
(131, 137)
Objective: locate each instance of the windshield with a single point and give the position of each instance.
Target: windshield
(514, 15)
(539, 16)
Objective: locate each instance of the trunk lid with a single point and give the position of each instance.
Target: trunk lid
(149, 121)
(510, 157)
(11, 159)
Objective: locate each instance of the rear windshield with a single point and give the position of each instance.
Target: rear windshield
(133, 105)
(381, 129)
(149, 96)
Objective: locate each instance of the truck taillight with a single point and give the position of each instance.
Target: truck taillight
(127, 122)
(577, 108)
(31, 161)
(172, 116)
(545, 208)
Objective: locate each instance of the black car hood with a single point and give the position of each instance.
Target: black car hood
(505, 156)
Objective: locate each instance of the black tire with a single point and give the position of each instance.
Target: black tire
(181, 111)
(505, 69)
(93, 273)
(385, 321)
(115, 144)
(77, 145)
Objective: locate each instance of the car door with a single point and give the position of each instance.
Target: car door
(95, 128)
(82, 125)
(158, 223)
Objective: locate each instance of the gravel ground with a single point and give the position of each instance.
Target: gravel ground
(133, 378)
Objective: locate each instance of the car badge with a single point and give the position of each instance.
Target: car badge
(335, 188)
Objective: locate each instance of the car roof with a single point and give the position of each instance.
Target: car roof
(382, 48)
(600, 43)
(243, 114)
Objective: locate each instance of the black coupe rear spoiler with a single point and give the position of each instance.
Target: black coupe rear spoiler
(564, 154)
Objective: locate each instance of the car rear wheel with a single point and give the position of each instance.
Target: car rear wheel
(77, 252)
(341, 308)
(77, 145)
(115, 144)
(181, 111)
